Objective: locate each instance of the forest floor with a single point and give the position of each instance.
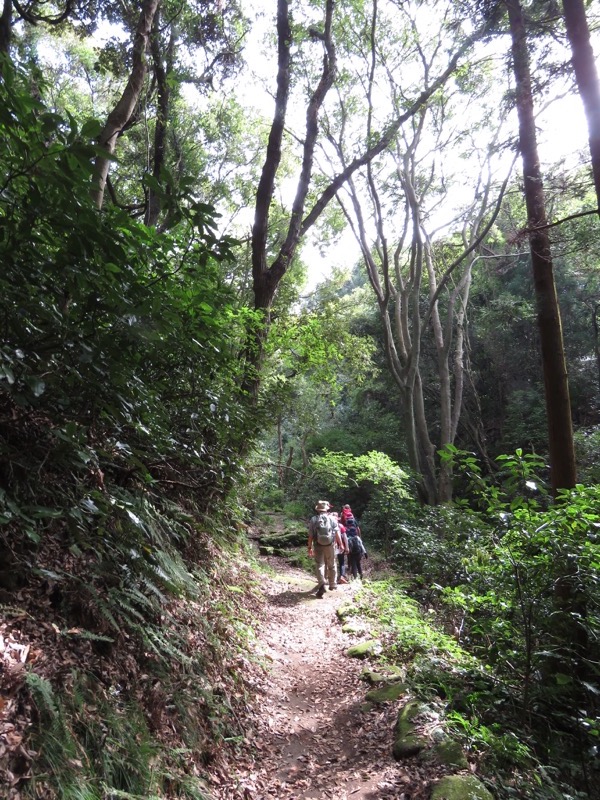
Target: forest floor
(310, 734)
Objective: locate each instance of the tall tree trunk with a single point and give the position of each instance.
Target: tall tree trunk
(427, 466)
(266, 278)
(123, 111)
(596, 329)
(587, 78)
(279, 453)
(6, 27)
(162, 72)
(558, 405)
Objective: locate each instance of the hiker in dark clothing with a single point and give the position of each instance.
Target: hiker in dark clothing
(356, 548)
(341, 550)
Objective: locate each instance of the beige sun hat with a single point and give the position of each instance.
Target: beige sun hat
(322, 505)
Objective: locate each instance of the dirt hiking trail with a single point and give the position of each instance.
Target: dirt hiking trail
(310, 734)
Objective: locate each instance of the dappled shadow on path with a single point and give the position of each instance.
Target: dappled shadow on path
(292, 597)
(341, 753)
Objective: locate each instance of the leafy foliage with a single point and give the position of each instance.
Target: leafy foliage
(120, 428)
(122, 342)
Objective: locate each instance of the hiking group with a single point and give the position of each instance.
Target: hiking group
(332, 538)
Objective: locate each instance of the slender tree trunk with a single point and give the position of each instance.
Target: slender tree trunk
(288, 464)
(123, 111)
(596, 329)
(427, 466)
(558, 406)
(586, 75)
(6, 27)
(266, 278)
(162, 73)
(279, 453)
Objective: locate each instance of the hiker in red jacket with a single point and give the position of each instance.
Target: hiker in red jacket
(346, 514)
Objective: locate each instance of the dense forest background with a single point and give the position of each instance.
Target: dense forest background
(173, 177)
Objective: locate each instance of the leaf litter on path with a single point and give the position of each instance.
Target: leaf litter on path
(310, 738)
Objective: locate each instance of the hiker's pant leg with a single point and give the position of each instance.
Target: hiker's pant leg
(353, 569)
(330, 564)
(359, 564)
(320, 563)
(341, 567)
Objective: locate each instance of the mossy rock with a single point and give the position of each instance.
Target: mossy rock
(364, 649)
(288, 539)
(408, 713)
(346, 610)
(353, 627)
(386, 693)
(460, 787)
(374, 678)
(449, 753)
(407, 742)
(265, 551)
(408, 746)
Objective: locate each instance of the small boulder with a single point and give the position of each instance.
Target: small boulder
(344, 611)
(374, 678)
(407, 746)
(371, 647)
(460, 787)
(449, 753)
(386, 693)
(407, 742)
(352, 627)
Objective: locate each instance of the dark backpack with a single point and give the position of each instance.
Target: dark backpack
(324, 530)
(351, 527)
(354, 545)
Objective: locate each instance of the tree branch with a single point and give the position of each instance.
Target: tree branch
(388, 136)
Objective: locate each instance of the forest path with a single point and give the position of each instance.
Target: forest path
(310, 736)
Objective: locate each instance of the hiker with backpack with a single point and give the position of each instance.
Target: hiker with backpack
(323, 536)
(356, 548)
(341, 550)
(346, 513)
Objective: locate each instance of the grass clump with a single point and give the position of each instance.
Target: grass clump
(94, 745)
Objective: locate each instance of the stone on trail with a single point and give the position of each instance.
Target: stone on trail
(449, 753)
(346, 610)
(407, 742)
(383, 694)
(353, 627)
(364, 649)
(460, 787)
(391, 674)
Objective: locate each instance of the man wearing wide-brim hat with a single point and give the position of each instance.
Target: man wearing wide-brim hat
(323, 534)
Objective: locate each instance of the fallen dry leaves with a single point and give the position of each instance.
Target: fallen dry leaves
(310, 737)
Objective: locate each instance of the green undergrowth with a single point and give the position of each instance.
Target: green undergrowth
(94, 744)
(142, 686)
(406, 633)
(473, 700)
(121, 424)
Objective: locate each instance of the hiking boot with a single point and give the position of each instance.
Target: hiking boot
(320, 591)
(331, 588)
